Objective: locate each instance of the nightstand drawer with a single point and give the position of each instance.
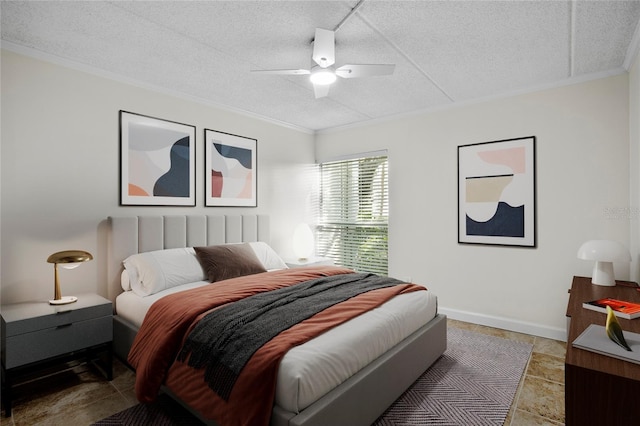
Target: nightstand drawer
(25, 348)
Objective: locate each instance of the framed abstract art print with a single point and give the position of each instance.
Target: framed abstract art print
(157, 162)
(230, 170)
(497, 192)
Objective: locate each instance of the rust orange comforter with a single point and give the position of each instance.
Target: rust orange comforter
(170, 319)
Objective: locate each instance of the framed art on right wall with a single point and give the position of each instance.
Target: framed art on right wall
(497, 192)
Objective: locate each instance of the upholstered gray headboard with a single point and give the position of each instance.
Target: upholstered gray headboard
(138, 234)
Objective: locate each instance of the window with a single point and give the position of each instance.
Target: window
(354, 211)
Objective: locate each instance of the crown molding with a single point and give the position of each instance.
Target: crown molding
(68, 63)
(459, 104)
(633, 50)
(632, 53)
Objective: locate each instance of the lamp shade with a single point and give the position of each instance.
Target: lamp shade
(303, 241)
(70, 256)
(604, 253)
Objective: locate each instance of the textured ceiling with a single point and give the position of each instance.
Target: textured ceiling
(445, 52)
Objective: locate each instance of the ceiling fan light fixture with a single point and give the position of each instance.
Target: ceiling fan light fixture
(323, 73)
(322, 76)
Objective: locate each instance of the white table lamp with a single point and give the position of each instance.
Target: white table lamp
(303, 241)
(604, 253)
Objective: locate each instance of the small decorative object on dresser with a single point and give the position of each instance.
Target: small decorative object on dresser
(595, 339)
(37, 335)
(621, 308)
(614, 330)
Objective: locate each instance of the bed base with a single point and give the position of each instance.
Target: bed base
(363, 397)
(367, 394)
(124, 333)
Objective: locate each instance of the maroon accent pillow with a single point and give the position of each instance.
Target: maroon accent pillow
(228, 261)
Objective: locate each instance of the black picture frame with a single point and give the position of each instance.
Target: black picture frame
(157, 161)
(230, 170)
(497, 193)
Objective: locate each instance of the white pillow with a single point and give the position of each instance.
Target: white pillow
(267, 256)
(159, 270)
(125, 282)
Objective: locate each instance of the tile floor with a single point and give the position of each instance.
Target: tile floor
(80, 396)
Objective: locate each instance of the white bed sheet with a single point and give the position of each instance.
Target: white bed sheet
(309, 371)
(133, 308)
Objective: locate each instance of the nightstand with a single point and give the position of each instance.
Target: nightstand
(37, 335)
(311, 261)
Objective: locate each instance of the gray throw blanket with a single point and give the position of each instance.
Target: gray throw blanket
(225, 339)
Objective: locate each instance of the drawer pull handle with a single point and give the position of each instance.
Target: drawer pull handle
(65, 325)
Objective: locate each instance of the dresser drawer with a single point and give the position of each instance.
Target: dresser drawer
(39, 345)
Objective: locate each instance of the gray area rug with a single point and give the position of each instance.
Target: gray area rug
(473, 383)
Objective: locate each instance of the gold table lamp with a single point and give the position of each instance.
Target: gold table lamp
(68, 259)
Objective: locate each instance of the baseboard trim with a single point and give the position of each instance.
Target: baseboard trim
(506, 324)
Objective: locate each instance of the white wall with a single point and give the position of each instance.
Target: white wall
(60, 127)
(582, 135)
(60, 164)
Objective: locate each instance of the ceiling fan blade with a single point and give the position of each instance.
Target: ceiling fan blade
(287, 72)
(324, 48)
(321, 90)
(368, 70)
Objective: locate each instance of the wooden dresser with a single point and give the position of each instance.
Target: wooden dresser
(599, 390)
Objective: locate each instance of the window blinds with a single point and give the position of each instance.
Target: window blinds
(354, 211)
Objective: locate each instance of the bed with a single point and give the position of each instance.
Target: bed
(318, 382)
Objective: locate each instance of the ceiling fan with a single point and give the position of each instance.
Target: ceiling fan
(322, 74)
